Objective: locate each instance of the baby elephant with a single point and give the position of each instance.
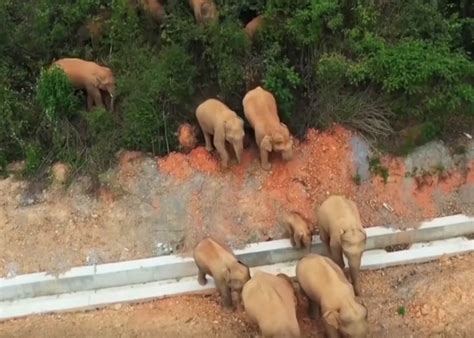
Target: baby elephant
(216, 259)
(341, 231)
(216, 119)
(300, 232)
(91, 77)
(270, 301)
(260, 109)
(324, 283)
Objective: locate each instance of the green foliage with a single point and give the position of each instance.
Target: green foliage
(367, 64)
(33, 158)
(376, 168)
(55, 94)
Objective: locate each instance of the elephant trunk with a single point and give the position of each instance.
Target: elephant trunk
(354, 267)
(238, 148)
(287, 154)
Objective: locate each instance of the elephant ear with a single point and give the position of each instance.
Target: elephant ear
(266, 143)
(332, 318)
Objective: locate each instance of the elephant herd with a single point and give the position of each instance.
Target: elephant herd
(260, 110)
(271, 300)
(98, 80)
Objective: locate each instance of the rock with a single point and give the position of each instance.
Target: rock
(429, 157)
(60, 172)
(425, 310)
(187, 136)
(360, 155)
(16, 167)
(117, 306)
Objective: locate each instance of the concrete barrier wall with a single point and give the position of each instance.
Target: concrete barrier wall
(148, 270)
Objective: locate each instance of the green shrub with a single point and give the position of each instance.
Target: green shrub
(55, 94)
(370, 65)
(33, 158)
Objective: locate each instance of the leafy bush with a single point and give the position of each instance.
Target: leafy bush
(55, 94)
(371, 65)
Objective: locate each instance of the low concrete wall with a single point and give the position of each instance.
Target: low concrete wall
(148, 270)
(87, 300)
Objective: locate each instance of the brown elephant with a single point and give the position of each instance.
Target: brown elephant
(91, 77)
(301, 234)
(340, 229)
(205, 11)
(216, 119)
(217, 259)
(94, 28)
(155, 9)
(260, 109)
(270, 301)
(253, 26)
(329, 291)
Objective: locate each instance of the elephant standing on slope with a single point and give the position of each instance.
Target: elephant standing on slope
(223, 124)
(91, 77)
(261, 111)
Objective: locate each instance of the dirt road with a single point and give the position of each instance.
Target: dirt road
(428, 300)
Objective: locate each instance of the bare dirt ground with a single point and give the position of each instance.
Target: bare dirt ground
(152, 206)
(437, 299)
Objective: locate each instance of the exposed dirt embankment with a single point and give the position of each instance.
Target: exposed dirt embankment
(149, 206)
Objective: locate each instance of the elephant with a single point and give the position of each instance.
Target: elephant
(341, 231)
(94, 29)
(301, 234)
(205, 11)
(216, 119)
(270, 301)
(253, 26)
(217, 259)
(260, 109)
(155, 9)
(91, 77)
(330, 293)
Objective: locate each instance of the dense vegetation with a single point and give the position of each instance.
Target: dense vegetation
(374, 65)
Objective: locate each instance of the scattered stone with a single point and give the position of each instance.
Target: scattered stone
(429, 157)
(425, 310)
(60, 172)
(16, 167)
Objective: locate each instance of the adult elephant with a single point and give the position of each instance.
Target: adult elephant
(91, 77)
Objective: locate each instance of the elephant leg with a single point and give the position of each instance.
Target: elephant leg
(264, 160)
(207, 139)
(225, 293)
(221, 149)
(202, 277)
(297, 241)
(292, 240)
(331, 331)
(323, 235)
(95, 93)
(313, 309)
(90, 101)
(336, 253)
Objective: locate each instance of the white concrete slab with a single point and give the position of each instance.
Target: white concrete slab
(168, 267)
